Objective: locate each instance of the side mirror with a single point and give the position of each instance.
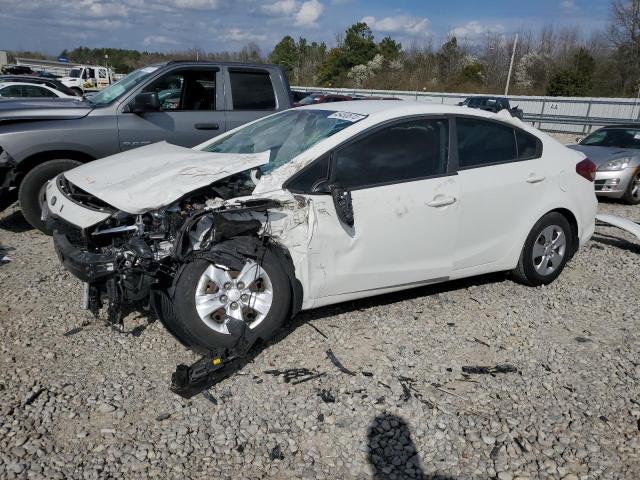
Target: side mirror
(321, 187)
(145, 102)
(579, 139)
(343, 204)
(460, 104)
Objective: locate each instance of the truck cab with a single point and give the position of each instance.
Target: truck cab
(83, 78)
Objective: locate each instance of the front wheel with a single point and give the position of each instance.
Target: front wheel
(546, 251)
(632, 195)
(211, 292)
(32, 189)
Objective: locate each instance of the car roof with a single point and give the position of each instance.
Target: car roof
(399, 109)
(622, 125)
(6, 84)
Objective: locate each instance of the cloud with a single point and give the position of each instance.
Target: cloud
(195, 4)
(154, 40)
(100, 10)
(309, 13)
(239, 35)
(282, 7)
(474, 30)
(568, 5)
(401, 24)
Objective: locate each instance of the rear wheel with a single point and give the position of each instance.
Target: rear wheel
(632, 195)
(546, 251)
(210, 293)
(32, 189)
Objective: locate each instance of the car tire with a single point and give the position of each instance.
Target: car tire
(632, 195)
(78, 91)
(546, 251)
(204, 333)
(31, 192)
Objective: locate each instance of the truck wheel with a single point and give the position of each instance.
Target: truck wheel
(31, 193)
(209, 292)
(77, 91)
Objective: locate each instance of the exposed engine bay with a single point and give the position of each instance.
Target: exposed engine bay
(126, 256)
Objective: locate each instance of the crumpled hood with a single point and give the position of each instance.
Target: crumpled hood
(600, 155)
(12, 110)
(154, 176)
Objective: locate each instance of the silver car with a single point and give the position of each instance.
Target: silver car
(616, 152)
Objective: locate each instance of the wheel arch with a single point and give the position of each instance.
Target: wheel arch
(28, 163)
(573, 222)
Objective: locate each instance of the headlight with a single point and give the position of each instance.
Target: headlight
(617, 164)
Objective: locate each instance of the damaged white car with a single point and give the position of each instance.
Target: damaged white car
(315, 206)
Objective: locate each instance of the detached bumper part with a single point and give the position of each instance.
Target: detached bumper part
(8, 194)
(88, 267)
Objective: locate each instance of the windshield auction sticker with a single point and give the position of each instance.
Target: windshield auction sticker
(348, 116)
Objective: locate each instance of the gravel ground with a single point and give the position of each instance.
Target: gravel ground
(80, 400)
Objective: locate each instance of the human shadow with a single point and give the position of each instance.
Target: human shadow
(392, 453)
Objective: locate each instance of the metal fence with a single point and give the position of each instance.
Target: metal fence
(553, 114)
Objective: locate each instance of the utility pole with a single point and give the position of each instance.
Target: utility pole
(513, 55)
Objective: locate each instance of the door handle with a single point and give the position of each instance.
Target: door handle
(535, 178)
(441, 201)
(207, 126)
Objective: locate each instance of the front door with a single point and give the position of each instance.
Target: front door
(191, 111)
(404, 212)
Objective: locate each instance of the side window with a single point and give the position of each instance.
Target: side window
(482, 142)
(252, 90)
(528, 145)
(34, 91)
(401, 152)
(186, 90)
(12, 91)
(309, 177)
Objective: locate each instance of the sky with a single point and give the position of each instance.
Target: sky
(217, 25)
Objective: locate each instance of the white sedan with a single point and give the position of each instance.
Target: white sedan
(318, 205)
(29, 90)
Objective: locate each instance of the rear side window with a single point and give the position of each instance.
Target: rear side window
(482, 143)
(252, 90)
(528, 145)
(402, 152)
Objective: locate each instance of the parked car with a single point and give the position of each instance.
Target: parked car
(322, 98)
(49, 82)
(298, 95)
(38, 140)
(616, 152)
(492, 104)
(17, 70)
(315, 206)
(29, 90)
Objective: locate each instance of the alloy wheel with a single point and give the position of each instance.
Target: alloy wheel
(549, 250)
(223, 293)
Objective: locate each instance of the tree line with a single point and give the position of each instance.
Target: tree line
(551, 61)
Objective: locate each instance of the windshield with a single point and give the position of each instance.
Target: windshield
(122, 86)
(75, 73)
(614, 137)
(285, 135)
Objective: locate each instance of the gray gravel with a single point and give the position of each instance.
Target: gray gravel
(80, 400)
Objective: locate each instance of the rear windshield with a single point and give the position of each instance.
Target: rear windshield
(285, 135)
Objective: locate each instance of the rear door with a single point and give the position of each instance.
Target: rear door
(404, 202)
(252, 95)
(192, 110)
(501, 177)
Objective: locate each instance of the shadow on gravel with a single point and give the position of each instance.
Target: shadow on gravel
(614, 241)
(327, 312)
(15, 222)
(5, 254)
(391, 451)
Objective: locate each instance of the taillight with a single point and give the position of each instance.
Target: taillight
(586, 169)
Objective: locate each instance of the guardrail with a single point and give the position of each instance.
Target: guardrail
(553, 114)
